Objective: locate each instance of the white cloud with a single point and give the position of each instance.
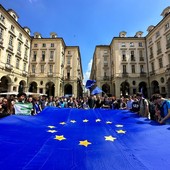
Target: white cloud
(87, 73)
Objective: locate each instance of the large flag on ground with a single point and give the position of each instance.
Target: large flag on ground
(94, 139)
(90, 83)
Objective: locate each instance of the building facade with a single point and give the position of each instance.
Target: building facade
(37, 64)
(132, 64)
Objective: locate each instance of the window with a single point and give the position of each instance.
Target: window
(1, 33)
(51, 68)
(20, 36)
(133, 68)
(151, 52)
(8, 59)
(68, 75)
(168, 41)
(24, 66)
(43, 56)
(105, 51)
(68, 60)
(43, 45)
(69, 52)
(35, 45)
(158, 47)
(19, 46)
(51, 55)
(124, 55)
(132, 56)
(42, 68)
(141, 69)
(152, 67)
(26, 42)
(105, 60)
(141, 58)
(26, 52)
(124, 69)
(52, 44)
(34, 56)
(33, 68)
(2, 18)
(166, 26)
(160, 63)
(140, 44)
(131, 44)
(157, 34)
(17, 63)
(123, 44)
(12, 28)
(11, 41)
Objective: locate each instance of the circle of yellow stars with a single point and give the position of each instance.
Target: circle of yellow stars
(85, 143)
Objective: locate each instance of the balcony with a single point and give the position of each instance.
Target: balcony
(32, 74)
(8, 66)
(152, 73)
(106, 78)
(10, 47)
(50, 74)
(125, 74)
(142, 74)
(24, 73)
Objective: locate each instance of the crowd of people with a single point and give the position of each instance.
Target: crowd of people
(157, 108)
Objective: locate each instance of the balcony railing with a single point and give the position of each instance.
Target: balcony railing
(50, 74)
(125, 74)
(142, 74)
(8, 66)
(24, 73)
(152, 73)
(106, 78)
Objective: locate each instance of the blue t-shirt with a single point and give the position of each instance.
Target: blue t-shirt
(166, 107)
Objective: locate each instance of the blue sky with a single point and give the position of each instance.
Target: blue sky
(87, 23)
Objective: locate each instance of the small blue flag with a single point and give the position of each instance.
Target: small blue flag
(97, 90)
(90, 83)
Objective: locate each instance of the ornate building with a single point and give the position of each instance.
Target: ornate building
(132, 64)
(37, 64)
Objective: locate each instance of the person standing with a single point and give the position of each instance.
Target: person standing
(143, 106)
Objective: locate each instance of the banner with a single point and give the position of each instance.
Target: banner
(77, 139)
(23, 108)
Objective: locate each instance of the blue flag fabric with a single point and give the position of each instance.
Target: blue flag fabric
(90, 83)
(94, 139)
(97, 90)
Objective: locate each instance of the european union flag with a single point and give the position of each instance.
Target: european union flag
(90, 83)
(94, 139)
(97, 90)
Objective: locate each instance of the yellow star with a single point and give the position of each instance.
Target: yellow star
(59, 137)
(110, 138)
(51, 127)
(119, 125)
(84, 143)
(72, 121)
(98, 120)
(85, 120)
(52, 131)
(108, 122)
(62, 123)
(121, 131)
